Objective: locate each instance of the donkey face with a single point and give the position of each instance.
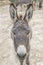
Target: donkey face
(20, 32)
(21, 11)
(20, 36)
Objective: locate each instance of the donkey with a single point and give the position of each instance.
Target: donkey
(21, 32)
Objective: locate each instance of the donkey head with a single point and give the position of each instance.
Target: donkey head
(21, 11)
(21, 14)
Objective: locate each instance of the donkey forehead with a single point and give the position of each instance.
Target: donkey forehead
(21, 38)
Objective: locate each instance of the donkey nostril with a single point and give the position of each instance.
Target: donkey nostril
(21, 16)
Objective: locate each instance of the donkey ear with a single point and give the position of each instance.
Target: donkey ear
(29, 5)
(12, 10)
(29, 13)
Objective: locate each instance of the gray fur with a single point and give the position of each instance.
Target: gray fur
(21, 35)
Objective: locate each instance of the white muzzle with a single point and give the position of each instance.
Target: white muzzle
(21, 50)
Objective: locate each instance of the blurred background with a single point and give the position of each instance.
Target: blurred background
(35, 2)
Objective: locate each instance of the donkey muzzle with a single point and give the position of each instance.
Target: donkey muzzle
(21, 51)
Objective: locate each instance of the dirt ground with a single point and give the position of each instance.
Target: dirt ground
(7, 52)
